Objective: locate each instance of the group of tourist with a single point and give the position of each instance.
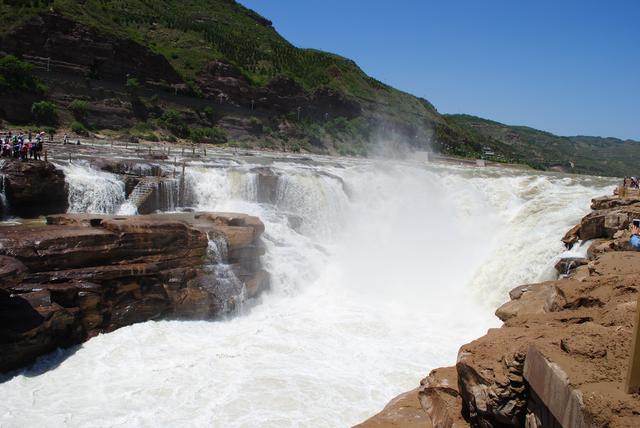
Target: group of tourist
(22, 146)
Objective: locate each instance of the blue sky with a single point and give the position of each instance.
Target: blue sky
(568, 67)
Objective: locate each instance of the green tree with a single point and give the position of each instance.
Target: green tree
(132, 84)
(79, 109)
(44, 113)
(15, 75)
(172, 120)
(79, 128)
(209, 135)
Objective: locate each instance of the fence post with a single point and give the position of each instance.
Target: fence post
(46, 157)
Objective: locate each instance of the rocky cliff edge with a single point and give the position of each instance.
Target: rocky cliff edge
(561, 356)
(80, 275)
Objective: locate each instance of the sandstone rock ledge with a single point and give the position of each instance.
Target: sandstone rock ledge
(568, 340)
(81, 275)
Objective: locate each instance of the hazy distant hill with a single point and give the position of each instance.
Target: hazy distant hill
(581, 154)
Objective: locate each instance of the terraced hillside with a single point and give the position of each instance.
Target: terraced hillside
(217, 63)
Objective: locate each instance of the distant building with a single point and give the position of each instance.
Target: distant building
(488, 151)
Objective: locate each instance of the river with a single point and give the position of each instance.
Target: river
(380, 270)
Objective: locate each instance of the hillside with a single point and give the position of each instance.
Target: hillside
(215, 63)
(214, 71)
(543, 150)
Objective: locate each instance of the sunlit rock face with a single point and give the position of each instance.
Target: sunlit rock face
(85, 274)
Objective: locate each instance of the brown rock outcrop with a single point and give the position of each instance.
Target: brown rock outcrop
(404, 411)
(561, 355)
(33, 188)
(82, 275)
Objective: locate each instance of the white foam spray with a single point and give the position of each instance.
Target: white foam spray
(370, 292)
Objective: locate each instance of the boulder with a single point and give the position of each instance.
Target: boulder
(12, 272)
(404, 411)
(440, 398)
(34, 188)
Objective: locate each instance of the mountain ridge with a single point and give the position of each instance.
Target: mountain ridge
(216, 71)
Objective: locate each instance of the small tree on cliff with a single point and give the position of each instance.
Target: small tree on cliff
(173, 121)
(132, 85)
(15, 76)
(45, 113)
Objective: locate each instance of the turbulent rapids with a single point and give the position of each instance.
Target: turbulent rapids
(380, 270)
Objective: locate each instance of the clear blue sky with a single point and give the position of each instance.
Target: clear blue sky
(569, 67)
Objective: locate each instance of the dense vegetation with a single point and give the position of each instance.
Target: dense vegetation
(15, 76)
(193, 32)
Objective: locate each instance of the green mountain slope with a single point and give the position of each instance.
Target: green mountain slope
(581, 154)
(192, 34)
(214, 71)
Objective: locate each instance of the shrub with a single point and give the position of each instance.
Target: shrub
(15, 75)
(208, 111)
(79, 128)
(44, 113)
(79, 109)
(132, 84)
(209, 135)
(295, 147)
(172, 120)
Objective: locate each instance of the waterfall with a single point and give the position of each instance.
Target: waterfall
(379, 272)
(92, 191)
(227, 283)
(4, 202)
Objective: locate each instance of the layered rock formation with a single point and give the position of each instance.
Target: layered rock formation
(560, 359)
(32, 188)
(84, 50)
(81, 275)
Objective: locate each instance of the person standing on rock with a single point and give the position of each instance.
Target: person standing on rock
(634, 241)
(39, 145)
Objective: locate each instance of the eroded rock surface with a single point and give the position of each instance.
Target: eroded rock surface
(81, 275)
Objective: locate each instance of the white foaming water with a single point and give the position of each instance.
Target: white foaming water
(369, 293)
(92, 191)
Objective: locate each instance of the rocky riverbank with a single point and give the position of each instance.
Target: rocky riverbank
(80, 275)
(568, 339)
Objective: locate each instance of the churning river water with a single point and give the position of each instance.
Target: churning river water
(380, 270)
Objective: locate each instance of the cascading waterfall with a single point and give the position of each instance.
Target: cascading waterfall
(226, 279)
(167, 195)
(372, 290)
(92, 191)
(4, 202)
